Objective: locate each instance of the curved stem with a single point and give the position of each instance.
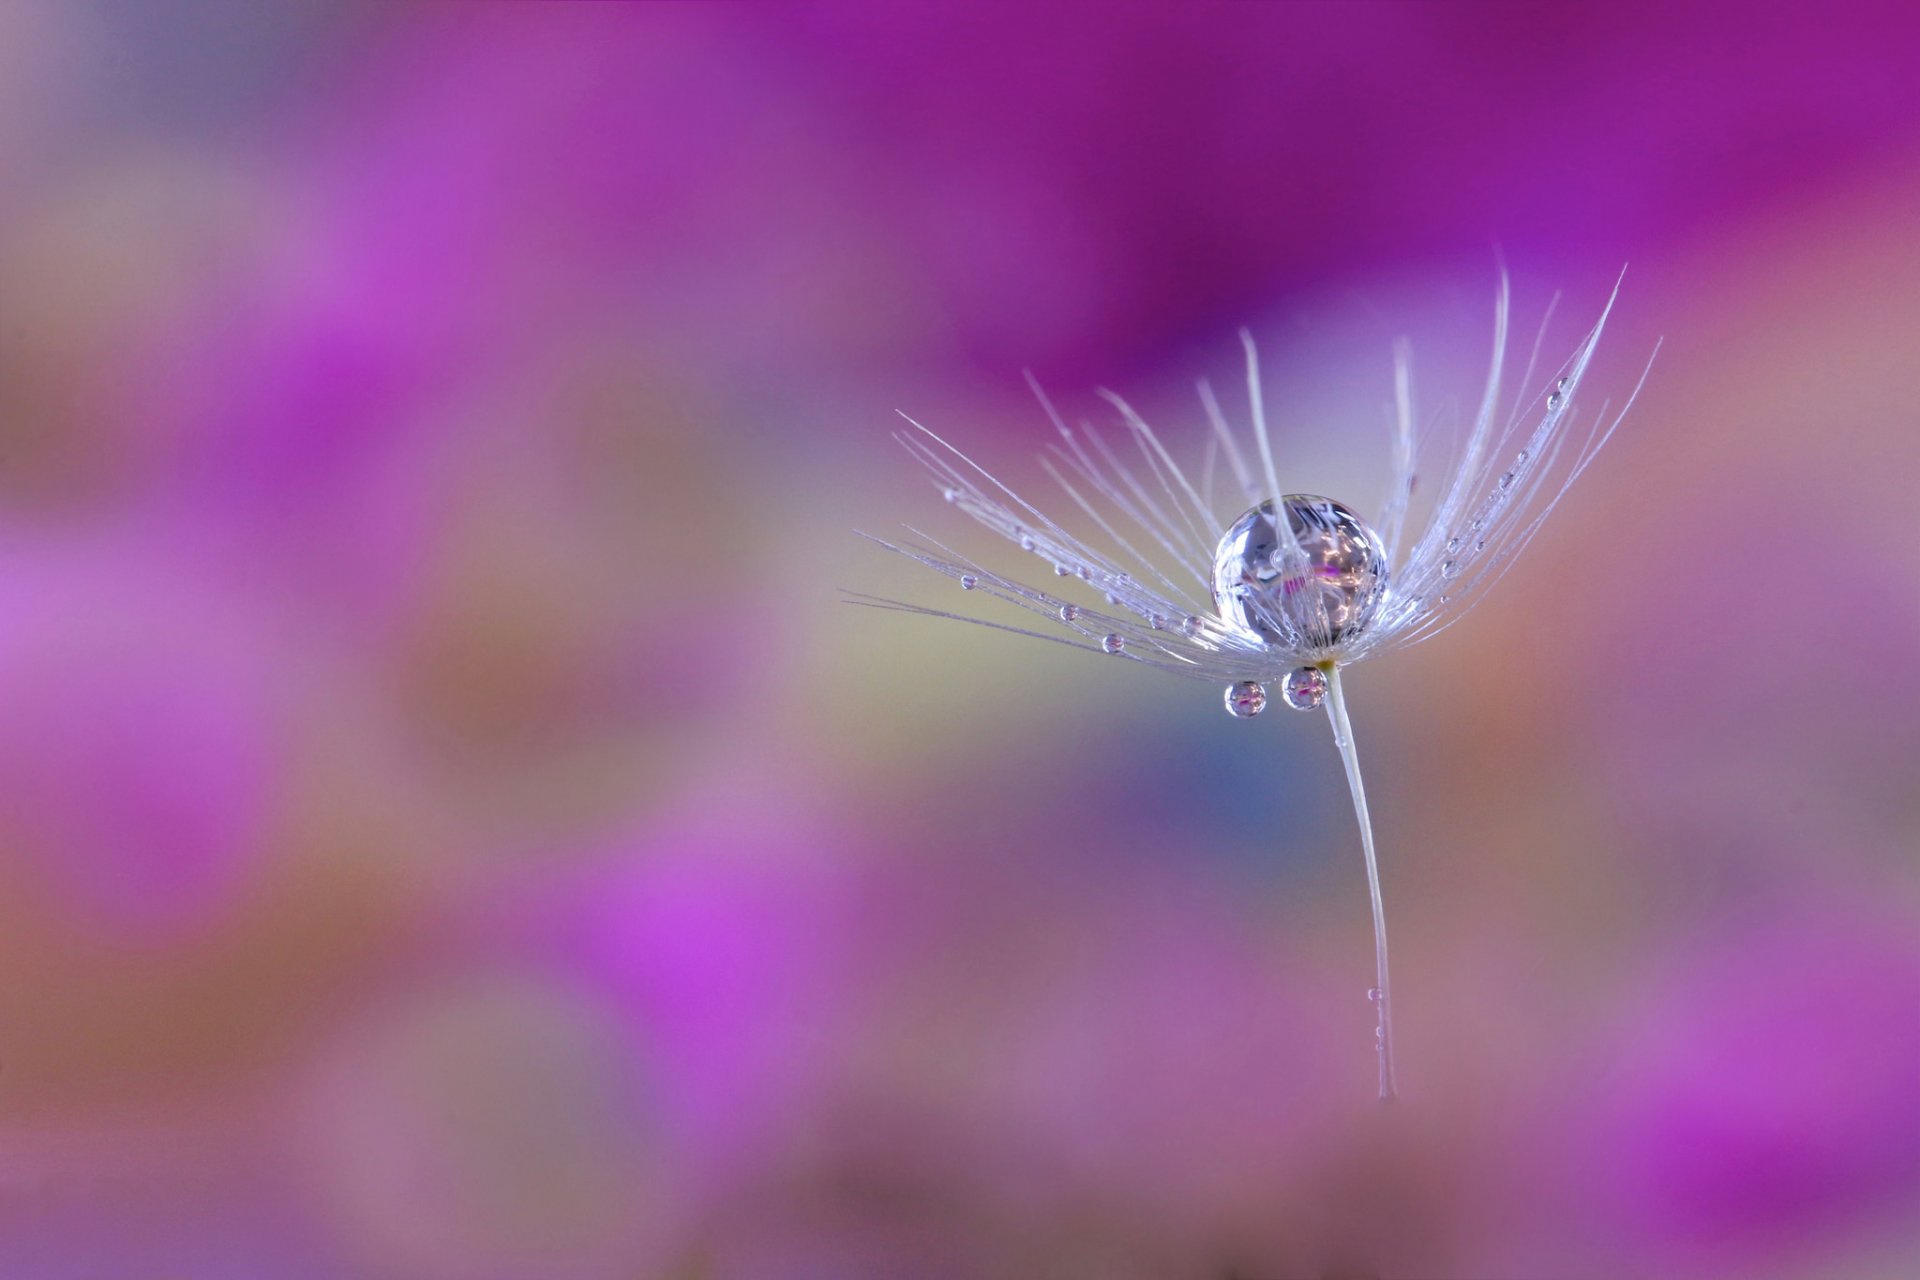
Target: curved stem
(1382, 993)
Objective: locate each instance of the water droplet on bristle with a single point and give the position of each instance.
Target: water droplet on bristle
(1304, 688)
(1559, 384)
(1506, 480)
(1521, 457)
(1448, 568)
(1157, 622)
(1373, 995)
(968, 582)
(1068, 612)
(1113, 644)
(953, 495)
(1453, 544)
(1309, 584)
(1553, 401)
(1189, 626)
(1026, 542)
(1246, 699)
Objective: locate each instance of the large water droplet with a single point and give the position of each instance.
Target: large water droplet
(1113, 643)
(1068, 612)
(1319, 595)
(1304, 688)
(1246, 699)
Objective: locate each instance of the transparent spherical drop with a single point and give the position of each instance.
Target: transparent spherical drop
(968, 582)
(1246, 699)
(1304, 688)
(1068, 612)
(1322, 595)
(1113, 643)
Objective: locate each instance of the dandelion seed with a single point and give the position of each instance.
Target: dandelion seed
(1292, 589)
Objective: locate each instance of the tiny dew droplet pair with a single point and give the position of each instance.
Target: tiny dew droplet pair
(1303, 689)
(1295, 587)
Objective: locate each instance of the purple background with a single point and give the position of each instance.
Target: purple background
(450, 829)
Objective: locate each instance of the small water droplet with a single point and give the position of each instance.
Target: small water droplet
(1453, 544)
(1373, 995)
(1559, 384)
(1304, 688)
(1113, 643)
(1480, 545)
(1061, 570)
(1026, 542)
(1068, 612)
(953, 495)
(1380, 1033)
(1086, 573)
(1444, 599)
(1553, 401)
(1246, 699)
(1520, 458)
(1112, 598)
(1506, 480)
(968, 582)
(1157, 622)
(1449, 568)
(1190, 626)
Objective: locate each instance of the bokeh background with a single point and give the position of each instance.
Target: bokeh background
(451, 829)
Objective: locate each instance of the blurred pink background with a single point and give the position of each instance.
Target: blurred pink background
(450, 829)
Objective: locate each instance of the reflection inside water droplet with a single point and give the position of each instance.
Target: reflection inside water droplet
(1304, 688)
(1309, 587)
(1246, 699)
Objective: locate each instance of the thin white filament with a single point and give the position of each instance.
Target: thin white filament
(1383, 1005)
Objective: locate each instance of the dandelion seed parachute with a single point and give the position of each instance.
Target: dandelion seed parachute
(1246, 598)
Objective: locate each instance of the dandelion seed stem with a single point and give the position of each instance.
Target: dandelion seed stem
(1383, 1006)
